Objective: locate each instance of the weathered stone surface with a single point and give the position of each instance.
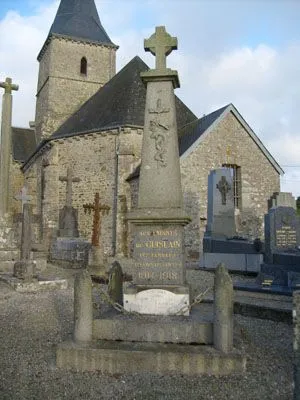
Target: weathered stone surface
(282, 199)
(223, 310)
(282, 231)
(234, 262)
(34, 286)
(72, 252)
(220, 205)
(197, 328)
(117, 357)
(5, 151)
(83, 307)
(68, 222)
(158, 221)
(115, 283)
(159, 255)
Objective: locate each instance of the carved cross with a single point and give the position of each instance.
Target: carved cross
(8, 86)
(23, 196)
(69, 179)
(98, 208)
(160, 44)
(224, 188)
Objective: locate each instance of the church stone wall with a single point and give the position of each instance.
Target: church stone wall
(95, 159)
(16, 185)
(62, 89)
(259, 178)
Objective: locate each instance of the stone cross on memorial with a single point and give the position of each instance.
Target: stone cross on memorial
(160, 44)
(69, 179)
(97, 208)
(5, 150)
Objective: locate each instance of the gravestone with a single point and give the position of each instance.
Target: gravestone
(282, 231)
(68, 249)
(158, 221)
(220, 242)
(282, 199)
(115, 283)
(97, 260)
(25, 268)
(220, 204)
(68, 216)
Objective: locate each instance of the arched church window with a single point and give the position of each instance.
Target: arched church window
(83, 66)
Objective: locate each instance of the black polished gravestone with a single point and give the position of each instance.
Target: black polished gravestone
(282, 239)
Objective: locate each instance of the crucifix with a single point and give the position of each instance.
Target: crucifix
(98, 209)
(5, 150)
(160, 44)
(23, 196)
(69, 179)
(224, 188)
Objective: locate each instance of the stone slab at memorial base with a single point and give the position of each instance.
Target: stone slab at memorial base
(117, 357)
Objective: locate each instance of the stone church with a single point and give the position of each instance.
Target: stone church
(90, 119)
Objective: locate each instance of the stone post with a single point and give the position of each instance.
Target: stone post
(5, 152)
(83, 308)
(296, 343)
(223, 310)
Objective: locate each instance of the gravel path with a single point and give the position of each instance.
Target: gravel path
(32, 324)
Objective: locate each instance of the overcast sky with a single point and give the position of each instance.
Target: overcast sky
(245, 52)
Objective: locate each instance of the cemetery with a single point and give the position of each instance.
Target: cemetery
(145, 320)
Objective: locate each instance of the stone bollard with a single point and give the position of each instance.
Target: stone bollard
(115, 283)
(296, 343)
(223, 310)
(83, 307)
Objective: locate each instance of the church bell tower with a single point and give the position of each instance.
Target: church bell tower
(76, 59)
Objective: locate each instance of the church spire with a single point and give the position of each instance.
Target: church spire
(79, 19)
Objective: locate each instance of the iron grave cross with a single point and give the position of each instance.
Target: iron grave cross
(69, 179)
(8, 86)
(97, 207)
(224, 188)
(160, 44)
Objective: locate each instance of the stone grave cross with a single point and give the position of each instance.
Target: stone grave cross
(8, 86)
(69, 179)
(5, 150)
(97, 208)
(160, 44)
(224, 188)
(23, 197)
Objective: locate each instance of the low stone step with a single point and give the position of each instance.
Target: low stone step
(163, 330)
(118, 357)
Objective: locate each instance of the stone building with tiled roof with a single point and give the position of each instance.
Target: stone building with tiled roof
(91, 119)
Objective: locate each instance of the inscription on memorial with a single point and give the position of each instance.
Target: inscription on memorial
(158, 256)
(286, 237)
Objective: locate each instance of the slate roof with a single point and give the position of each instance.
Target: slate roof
(23, 143)
(121, 101)
(78, 19)
(191, 132)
